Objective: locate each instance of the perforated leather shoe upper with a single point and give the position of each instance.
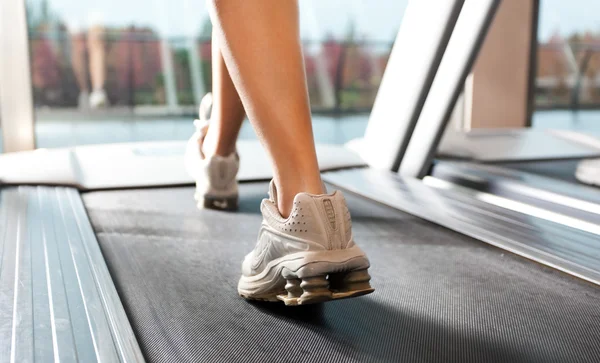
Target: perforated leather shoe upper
(316, 223)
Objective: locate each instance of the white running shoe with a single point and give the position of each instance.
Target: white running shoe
(588, 172)
(308, 257)
(216, 176)
(98, 99)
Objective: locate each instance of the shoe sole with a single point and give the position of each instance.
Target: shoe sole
(229, 204)
(310, 277)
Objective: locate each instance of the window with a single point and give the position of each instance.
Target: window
(568, 71)
(133, 70)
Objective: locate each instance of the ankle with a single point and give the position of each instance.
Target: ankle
(214, 145)
(287, 192)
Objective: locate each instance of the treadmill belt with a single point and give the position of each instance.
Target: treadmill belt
(439, 296)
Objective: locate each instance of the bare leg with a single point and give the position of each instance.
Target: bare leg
(227, 112)
(97, 57)
(78, 61)
(261, 46)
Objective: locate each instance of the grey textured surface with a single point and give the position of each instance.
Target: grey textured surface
(439, 296)
(57, 299)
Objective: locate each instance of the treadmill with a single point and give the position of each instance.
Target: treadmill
(523, 169)
(122, 267)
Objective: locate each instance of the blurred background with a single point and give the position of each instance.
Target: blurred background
(133, 70)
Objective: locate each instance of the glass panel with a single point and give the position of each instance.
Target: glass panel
(133, 70)
(589, 81)
(567, 95)
(355, 39)
(568, 70)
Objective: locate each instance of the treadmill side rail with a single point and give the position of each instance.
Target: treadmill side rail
(57, 299)
(568, 249)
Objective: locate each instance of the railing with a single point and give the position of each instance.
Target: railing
(145, 72)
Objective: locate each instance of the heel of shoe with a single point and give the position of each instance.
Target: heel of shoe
(321, 288)
(218, 203)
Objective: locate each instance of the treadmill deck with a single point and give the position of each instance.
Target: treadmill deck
(439, 296)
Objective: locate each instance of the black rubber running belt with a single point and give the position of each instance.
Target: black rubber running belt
(440, 297)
